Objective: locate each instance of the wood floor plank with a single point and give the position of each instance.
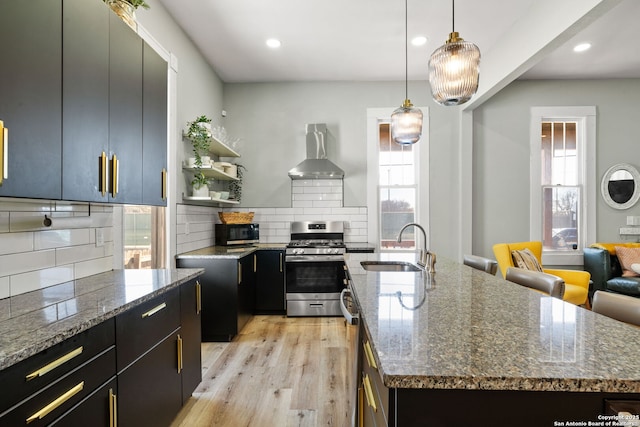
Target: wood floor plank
(278, 372)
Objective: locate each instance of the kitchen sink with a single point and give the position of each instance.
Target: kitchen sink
(389, 266)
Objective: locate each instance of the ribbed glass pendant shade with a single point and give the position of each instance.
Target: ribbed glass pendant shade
(454, 71)
(406, 124)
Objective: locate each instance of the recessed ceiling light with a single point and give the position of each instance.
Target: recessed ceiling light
(273, 43)
(582, 47)
(419, 41)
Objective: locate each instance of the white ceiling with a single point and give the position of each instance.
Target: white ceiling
(365, 39)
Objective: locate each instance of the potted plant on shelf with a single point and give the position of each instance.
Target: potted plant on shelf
(125, 9)
(199, 184)
(199, 133)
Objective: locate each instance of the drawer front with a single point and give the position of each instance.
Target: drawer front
(142, 327)
(375, 392)
(99, 409)
(52, 402)
(35, 373)
(150, 389)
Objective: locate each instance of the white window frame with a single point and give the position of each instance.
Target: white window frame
(585, 116)
(376, 116)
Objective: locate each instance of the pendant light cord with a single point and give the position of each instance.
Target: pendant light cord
(406, 51)
(453, 15)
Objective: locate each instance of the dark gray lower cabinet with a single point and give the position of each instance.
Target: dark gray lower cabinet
(151, 388)
(148, 344)
(191, 332)
(136, 369)
(270, 293)
(228, 294)
(81, 365)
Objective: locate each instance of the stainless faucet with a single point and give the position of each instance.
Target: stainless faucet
(425, 254)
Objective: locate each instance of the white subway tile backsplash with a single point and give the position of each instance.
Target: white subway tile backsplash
(5, 290)
(33, 256)
(11, 243)
(59, 238)
(26, 261)
(93, 266)
(27, 282)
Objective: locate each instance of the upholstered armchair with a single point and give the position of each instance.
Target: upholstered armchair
(576, 282)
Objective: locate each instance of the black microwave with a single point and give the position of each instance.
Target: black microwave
(237, 234)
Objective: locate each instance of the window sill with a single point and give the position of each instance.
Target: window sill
(558, 259)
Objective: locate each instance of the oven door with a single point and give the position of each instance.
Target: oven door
(308, 274)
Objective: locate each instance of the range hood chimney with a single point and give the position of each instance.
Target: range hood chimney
(316, 165)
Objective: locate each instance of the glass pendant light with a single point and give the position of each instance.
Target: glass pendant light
(406, 121)
(454, 69)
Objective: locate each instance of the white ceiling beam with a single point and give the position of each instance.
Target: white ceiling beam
(547, 25)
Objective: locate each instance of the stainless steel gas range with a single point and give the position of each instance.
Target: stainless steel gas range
(315, 269)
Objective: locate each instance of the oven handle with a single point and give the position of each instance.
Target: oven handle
(348, 316)
(313, 258)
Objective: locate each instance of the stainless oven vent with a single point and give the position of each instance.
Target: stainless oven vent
(316, 165)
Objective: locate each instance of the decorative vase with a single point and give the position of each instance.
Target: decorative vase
(125, 11)
(202, 191)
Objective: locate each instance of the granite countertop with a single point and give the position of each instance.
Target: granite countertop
(465, 329)
(235, 252)
(32, 322)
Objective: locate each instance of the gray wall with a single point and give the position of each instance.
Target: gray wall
(270, 119)
(501, 153)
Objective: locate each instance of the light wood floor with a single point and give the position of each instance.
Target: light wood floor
(278, 372)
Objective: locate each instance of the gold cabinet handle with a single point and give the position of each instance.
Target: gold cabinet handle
(198, 297)
(179, 353)
(4, 152)
(113, 409)
(55, 403)
(239, 272)
(368, 392)
(103, 174)
(52, 365)
(164, 184)
(154, 310)
(281, 262)
(115, 168)
(369, 354)
(255, 262)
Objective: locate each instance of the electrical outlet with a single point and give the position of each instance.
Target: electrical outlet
(186, 228)
(633, 220)
(99, 237)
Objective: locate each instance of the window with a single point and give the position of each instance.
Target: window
(144, 237)
(393, 183)
(562, 181)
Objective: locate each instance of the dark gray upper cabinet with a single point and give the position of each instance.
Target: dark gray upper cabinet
(85, 99)
(30, 97)
(76, 83)
(154, 128)
(125, 112)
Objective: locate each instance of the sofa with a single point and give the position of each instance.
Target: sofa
(601, 261)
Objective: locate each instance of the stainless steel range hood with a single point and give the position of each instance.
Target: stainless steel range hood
(316, 165)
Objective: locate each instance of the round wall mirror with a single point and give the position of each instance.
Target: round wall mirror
(620, 186)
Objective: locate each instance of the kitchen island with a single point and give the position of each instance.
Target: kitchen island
(463, 347)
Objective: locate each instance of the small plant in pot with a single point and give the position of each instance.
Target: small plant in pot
(125, 9)
(199, 184)
(199, 133)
